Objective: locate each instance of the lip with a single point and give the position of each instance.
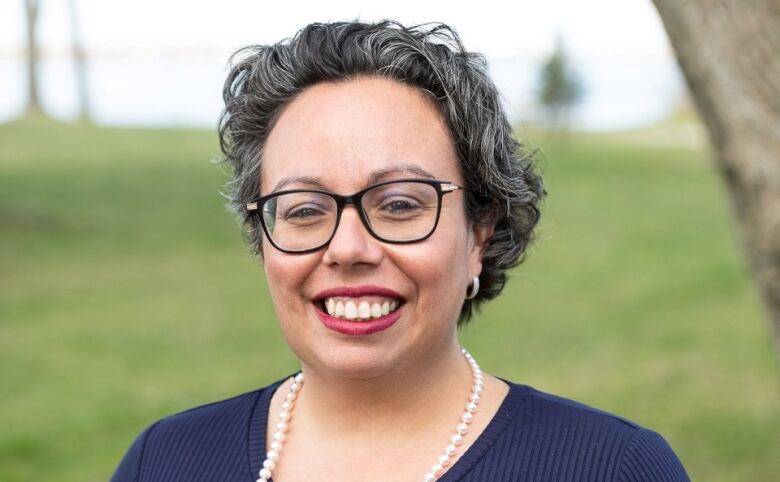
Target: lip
(356, 291)
(357, 328)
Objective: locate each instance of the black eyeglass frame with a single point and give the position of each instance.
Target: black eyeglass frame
(254, 208)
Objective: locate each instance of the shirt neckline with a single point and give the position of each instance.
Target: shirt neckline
(506, 412)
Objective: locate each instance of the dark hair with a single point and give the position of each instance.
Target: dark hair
(499, 173)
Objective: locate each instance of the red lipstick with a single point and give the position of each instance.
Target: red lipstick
(357, 328)
(356, 291)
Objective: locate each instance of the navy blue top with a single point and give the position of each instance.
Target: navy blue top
(534, 436)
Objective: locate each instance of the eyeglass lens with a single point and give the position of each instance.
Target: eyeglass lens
(396, 212)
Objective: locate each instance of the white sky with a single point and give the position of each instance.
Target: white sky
(500, 29)
(619, 45)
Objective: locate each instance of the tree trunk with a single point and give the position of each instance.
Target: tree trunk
(80, 61)
(33, 100)
(729, 52)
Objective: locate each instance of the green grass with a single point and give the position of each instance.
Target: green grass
(126, 294)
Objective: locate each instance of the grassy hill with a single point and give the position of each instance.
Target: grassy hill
(126, 294)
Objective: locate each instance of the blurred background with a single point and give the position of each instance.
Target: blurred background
(127, 293)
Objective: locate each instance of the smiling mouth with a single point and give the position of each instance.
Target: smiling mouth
(364, 308)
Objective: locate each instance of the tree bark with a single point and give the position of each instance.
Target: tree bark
(80, 62)
(33, 99)
(729, 52)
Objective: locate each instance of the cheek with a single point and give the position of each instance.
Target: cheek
(439, 269)
(285, 275)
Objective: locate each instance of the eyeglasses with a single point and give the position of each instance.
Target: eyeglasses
(304, 220)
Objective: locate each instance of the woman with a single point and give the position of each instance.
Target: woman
(377, 175)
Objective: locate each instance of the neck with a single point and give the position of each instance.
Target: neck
(398, 402)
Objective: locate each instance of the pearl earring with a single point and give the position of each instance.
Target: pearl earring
(474, 289)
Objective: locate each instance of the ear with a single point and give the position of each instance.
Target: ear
(479, 237)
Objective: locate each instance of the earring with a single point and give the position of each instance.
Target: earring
(473, 289)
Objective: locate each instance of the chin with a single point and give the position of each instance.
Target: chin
(350, 361)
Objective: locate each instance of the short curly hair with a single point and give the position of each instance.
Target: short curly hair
(500, 174)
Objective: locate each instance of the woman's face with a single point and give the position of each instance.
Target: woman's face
(335, 136)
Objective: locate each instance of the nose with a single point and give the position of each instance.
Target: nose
(352, 244)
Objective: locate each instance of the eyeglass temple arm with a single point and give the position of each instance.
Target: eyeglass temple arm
(251, 206)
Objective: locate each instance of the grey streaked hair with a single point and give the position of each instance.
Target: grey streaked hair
(500, 175)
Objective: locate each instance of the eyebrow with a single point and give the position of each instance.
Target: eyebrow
(297, 180)
(374, 178)
(381, 174)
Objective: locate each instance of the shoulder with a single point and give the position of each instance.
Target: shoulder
(561, 408)
(211, 421)
(586, 443)
(179, 443)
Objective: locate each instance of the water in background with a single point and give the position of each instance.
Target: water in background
(185, 91)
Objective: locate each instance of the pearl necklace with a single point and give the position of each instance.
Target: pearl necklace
(436, 470)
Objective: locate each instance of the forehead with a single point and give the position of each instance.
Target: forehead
(343, 132)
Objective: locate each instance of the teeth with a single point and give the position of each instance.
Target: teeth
(364, 310)
(359, 310)
(350, 311)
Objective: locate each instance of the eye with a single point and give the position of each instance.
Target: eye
(303, 212)
(400, 209)
(400, 206)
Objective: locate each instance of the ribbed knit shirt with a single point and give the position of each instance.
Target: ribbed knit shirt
(534, 436)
